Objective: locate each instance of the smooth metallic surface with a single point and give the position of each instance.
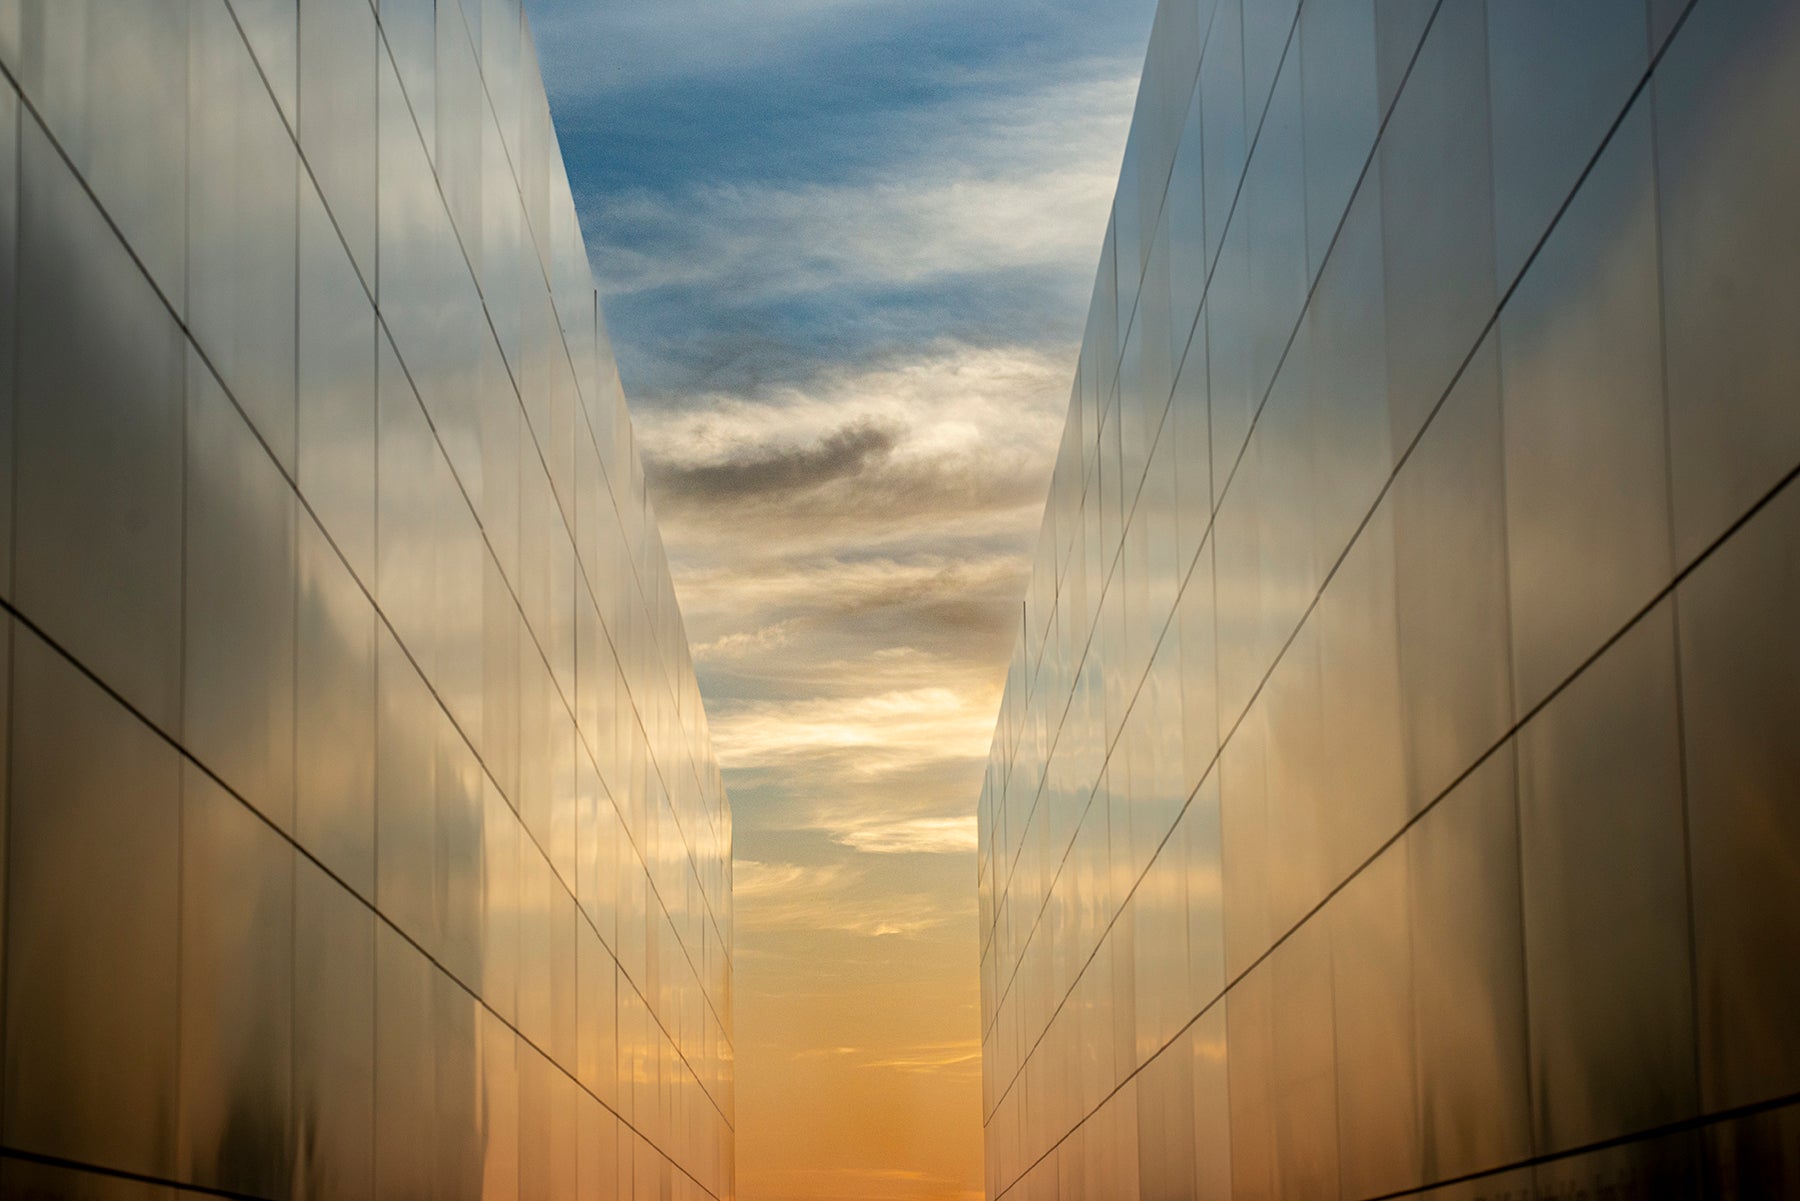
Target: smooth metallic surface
(1393, 785)
(1451, 582)
(1724, 91)
(1607, 969)
(335, 404)
(237, 993)
(96, 438)
(242, 177)
(1581, 393)
(238, 608)
(338, 56)
(111, 85)
(1468, 962)
(1560, 73)
(362, 834)
(1740, 654)
(93, 865)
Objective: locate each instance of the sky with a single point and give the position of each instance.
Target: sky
(845, 249)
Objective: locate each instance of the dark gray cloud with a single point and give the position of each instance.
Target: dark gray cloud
(764, 473)
(917, 453)
(848, 487)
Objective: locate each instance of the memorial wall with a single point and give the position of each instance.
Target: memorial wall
(363, 836)
(1395, 786)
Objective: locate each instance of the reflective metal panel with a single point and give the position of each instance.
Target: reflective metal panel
(1303, 1043)
(9, 319)
(272, 29)
(93, 923)
(334, 1039)
(1740, 657)
(110, 84)
(334, 707)
(1581, 392)
(1362, 746)
(1728, 173)
(335, 417)
(1372, 1008)
(405, 1069)
(24, 1178)
(242, 176)
(1667, 1166)
(237, 994)
(1212, 1107)
(1249, 1052)
(238, 604)
(337, 116)
(1274, 202)
(1223, 141)
(1559, 75)
(1451, 584)
(1345, 339)
(1468, 957)
(1437, 214)
(1607, 963)
(1754, 1156)
(1484, 683)
(1336, 44)
(96, 435)
(325, 775)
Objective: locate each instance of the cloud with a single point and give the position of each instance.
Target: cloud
(680, 40)
(753, 880)
(932, 1058)
(950, 442)
(851, 598)
(1008, 182)
(878, 774)
(832, 627)
(741, 643)
(759, 472)
(886, 730)
(979, 219)
(929, 1058)
(859, 47)
(834, 897)
(911, 835)
(975, 215)
(871, 624)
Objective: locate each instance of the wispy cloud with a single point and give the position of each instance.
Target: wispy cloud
(929, 1058)
(885, 730)
(950, 442)
(792, 54)
(759, 472)
(1008, 182)
(933, 1058)
(680, 39)
(740, 643)
(978, 223)
(793, 898)
(868, 772)
(911, 835)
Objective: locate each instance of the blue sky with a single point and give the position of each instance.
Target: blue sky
(845, 249)
(769, 187)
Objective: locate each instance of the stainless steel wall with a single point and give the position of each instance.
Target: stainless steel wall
(1397, 781)
(363, 837)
